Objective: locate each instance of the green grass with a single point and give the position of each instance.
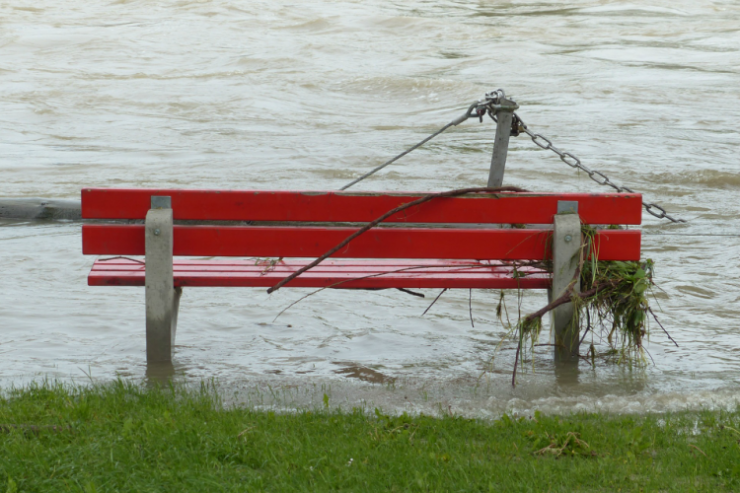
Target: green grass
(121, 437)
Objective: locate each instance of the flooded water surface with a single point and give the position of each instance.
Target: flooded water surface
(310, 95)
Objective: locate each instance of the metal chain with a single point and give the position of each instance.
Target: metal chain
(491, 105)
(597, 176)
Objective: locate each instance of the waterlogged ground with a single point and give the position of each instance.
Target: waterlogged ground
(276, 95)
(171, 439)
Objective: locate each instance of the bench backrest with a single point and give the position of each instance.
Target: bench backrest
(449, 228)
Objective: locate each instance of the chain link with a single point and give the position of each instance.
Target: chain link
(597, 176)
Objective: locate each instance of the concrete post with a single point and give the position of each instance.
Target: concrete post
(566, 245)
(162, 298)
(501, 142)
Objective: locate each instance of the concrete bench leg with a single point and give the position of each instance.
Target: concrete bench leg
(162, 298)
(566, 250)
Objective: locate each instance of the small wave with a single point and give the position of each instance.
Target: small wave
(721, 399)
(315, 26)
(632, 9)
(723, 180)
(384, 87)
(28, 9)
(464, 398)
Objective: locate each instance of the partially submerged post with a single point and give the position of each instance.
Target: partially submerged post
(504, 114)
(162, 298)
(566, 250)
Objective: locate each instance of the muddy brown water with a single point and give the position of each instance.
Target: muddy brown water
(215, 94)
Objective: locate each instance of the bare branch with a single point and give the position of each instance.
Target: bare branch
(412, 293)
(661, 326)
(470, 306)
(433, 302)
(370, 225)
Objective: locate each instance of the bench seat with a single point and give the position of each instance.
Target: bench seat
(340, 274)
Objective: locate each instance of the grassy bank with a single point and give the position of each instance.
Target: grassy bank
(121, 437)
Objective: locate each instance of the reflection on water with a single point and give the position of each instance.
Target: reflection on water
(210, 95)
(159, 373)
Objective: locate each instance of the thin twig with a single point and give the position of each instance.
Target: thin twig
(413, 267)
(697, 448)
(412, 293)
(516, 358)
(584, 333)
(370, 225)
(588, 326)
(584, 358)
(433, 302)
(470, 306)
(661, 326)
(648, 353)
(121, 256)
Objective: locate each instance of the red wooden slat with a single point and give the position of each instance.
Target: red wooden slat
(342, 267)
(509, 244)
(327, 206)
(284, 270)
(219, 241)
(372, 276)
(330, 264)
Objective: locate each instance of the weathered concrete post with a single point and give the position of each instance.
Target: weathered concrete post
(566, 248)
(501, 143)
(162, 298)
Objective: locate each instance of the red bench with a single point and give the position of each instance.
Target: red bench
(444, 243)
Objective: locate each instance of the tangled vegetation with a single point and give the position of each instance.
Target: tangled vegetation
(612, 304)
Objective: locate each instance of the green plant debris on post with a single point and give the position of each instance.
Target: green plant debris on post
(612, 303)
(619, 303)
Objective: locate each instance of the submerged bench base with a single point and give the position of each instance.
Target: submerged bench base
(338, 274)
